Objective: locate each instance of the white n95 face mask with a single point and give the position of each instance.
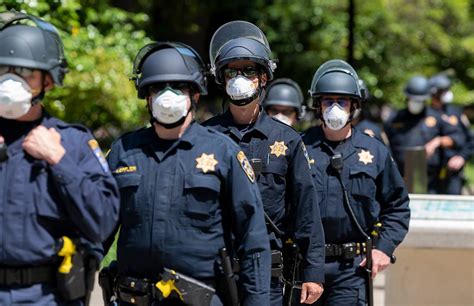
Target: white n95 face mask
(415, 107)
(169, 106)
(15, 96)
(240, 88)
(447, 97)
(283, 119)
(335, 117)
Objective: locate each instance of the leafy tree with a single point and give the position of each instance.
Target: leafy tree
(100, 43)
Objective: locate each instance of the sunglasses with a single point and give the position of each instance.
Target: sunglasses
(326, 102)
(21, 71)
(158, 87)
(287, 112)
(249, 72)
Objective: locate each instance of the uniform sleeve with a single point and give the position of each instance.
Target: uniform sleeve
(251, 238)
(467, 151)
(455, 132)
(309, 233)
(395, 213)
(87, 189)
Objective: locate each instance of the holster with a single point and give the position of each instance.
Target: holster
(78, 283)
(107, 280)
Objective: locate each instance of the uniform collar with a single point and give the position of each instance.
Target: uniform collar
(186, 141)
(262, 126)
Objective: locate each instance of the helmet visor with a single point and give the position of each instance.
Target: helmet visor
(233, 30)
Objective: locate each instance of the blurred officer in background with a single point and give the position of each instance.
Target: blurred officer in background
(362, 120)
(453, 160)
(241, 63)
(188, 192)
(359, 188)
(421, 125)
(284, 101)
(57, 195)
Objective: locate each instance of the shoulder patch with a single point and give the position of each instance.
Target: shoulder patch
(245, 164)
(430, 121)
(98, 154)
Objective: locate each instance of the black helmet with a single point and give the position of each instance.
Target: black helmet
(439, 82)
(336, 77)
(168, 62)
(285, 92)
(27, 46)
(239, 40)
(418, 88)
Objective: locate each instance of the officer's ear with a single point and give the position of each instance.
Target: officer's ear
(48, 82)
(263, 79)
(196, 97)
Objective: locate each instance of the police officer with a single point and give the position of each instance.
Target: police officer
(54, 180)
(186, 189)
(454, 160)
(362, 121)
(284, 101)
(421, 125)
(347, 161)
(240, 61)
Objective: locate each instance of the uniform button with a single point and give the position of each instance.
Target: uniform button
(132, 300)
(132, 284)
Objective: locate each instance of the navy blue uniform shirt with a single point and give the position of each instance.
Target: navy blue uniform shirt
(288, 193)
(454, 116)
(173, 197)
(375, 188)
(407, 130)
(370, 128)
(39, 203)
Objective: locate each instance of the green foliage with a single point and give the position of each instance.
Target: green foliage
(100, 43)
(394, 40)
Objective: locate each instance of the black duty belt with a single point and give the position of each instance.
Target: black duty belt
(346, 251)
(27, 276)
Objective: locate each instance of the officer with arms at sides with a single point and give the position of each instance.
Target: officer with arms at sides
(421, 125)
(284, 101)
(358, 185)
(58, 199)
(187, 193)
(454, 160)
(241, 63)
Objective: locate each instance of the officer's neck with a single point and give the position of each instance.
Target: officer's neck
(173, 133)
(246, 114)
(338, 135)
(436, 104)
(35, 113)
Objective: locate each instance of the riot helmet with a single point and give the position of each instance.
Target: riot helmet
(284, 92)
(162, 62)
(363, 87)
(417, 88)
(35, 47)
(338, 78)
(239, 40)
(439, 82)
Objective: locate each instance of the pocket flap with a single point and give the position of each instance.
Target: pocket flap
(128, 179)
(367, 170)
(275, 166)
(202, 181)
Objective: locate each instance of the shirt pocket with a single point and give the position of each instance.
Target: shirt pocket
(201, 193)
(363, 194)
(275, 172)
(45, 196)
(128, 185)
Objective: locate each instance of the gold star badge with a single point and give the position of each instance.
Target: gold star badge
(365, 157)
(206, 162)
(278, 148)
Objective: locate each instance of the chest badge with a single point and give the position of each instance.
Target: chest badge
(278, 148)
(430, 121)
(245, 164)
(365, 157)
(206, 162)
